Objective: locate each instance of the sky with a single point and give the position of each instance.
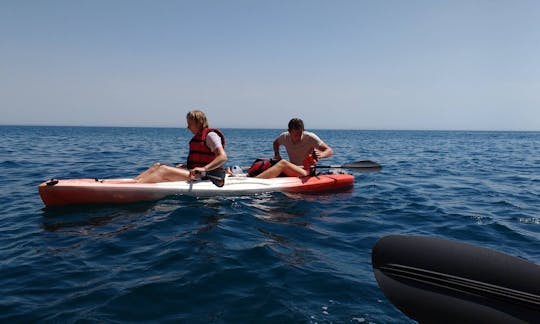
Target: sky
(337, 64)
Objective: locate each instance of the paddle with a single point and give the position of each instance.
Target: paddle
(366, 166)
(217, 176)
(435, 280)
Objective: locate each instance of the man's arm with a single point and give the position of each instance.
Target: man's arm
(324, 151)
(276, 145)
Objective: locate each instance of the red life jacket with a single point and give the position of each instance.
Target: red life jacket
(199, 153)
(259, 166)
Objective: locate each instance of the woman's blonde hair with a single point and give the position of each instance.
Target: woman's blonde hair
(199, 117)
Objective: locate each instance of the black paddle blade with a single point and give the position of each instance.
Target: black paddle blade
(217, 176)
(362, 165)
(433, 280)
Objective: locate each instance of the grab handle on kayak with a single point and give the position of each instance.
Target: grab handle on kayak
(52, 182)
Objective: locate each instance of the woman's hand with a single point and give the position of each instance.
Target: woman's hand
(195, 173)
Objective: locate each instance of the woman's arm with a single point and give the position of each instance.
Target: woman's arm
(221, 157)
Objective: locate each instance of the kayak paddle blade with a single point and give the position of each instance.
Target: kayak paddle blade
(359, 166)
(217, 176)
(363, 165)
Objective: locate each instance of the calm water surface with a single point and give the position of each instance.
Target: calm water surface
(263, 258)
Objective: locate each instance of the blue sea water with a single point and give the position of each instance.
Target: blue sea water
(262, 258)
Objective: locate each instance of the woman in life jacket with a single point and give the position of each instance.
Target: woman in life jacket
(206, 153)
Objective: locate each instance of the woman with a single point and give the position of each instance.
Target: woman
(206, 153)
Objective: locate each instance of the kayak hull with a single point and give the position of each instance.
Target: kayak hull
(119, 191)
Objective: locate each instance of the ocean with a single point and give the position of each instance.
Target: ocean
(264, 258)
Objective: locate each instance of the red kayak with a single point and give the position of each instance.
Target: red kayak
(115, 191)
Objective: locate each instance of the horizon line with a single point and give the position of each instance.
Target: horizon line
(278, 128)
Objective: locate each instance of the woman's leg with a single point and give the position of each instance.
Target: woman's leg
(163, 173)
(148, 171)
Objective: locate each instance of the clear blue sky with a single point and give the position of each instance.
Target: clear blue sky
(472, 65)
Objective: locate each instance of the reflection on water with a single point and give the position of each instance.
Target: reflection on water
(208, 210)
(57, 218)
(322, 197)
(289, 207)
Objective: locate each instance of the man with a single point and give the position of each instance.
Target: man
(303, 148)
